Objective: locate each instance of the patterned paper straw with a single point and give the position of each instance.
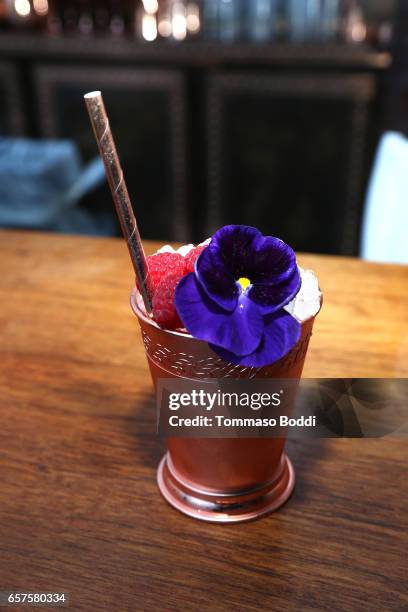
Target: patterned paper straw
(114, 174)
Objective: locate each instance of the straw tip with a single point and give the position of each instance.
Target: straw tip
(92, 94)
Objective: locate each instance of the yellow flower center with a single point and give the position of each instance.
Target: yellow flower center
(244, 282)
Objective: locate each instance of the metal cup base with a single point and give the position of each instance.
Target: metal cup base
(218, 507)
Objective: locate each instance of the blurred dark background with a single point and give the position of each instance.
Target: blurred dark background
(265, 112)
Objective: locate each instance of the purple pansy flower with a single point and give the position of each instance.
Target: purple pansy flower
(235, 297)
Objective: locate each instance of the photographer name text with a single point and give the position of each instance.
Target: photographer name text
(223, 421)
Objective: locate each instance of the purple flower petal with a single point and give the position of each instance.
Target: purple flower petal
(281, 333)
(215, 278)
(272, 261)
(236, 246)
(239, 331)
(271, 298)
(224, 261)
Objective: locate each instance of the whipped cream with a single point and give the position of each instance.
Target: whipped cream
(306, 302)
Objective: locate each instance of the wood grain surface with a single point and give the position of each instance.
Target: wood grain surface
(79, 508)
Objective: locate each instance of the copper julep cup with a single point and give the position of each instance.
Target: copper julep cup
(221, 480)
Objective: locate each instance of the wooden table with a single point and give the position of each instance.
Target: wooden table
(79, 507)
